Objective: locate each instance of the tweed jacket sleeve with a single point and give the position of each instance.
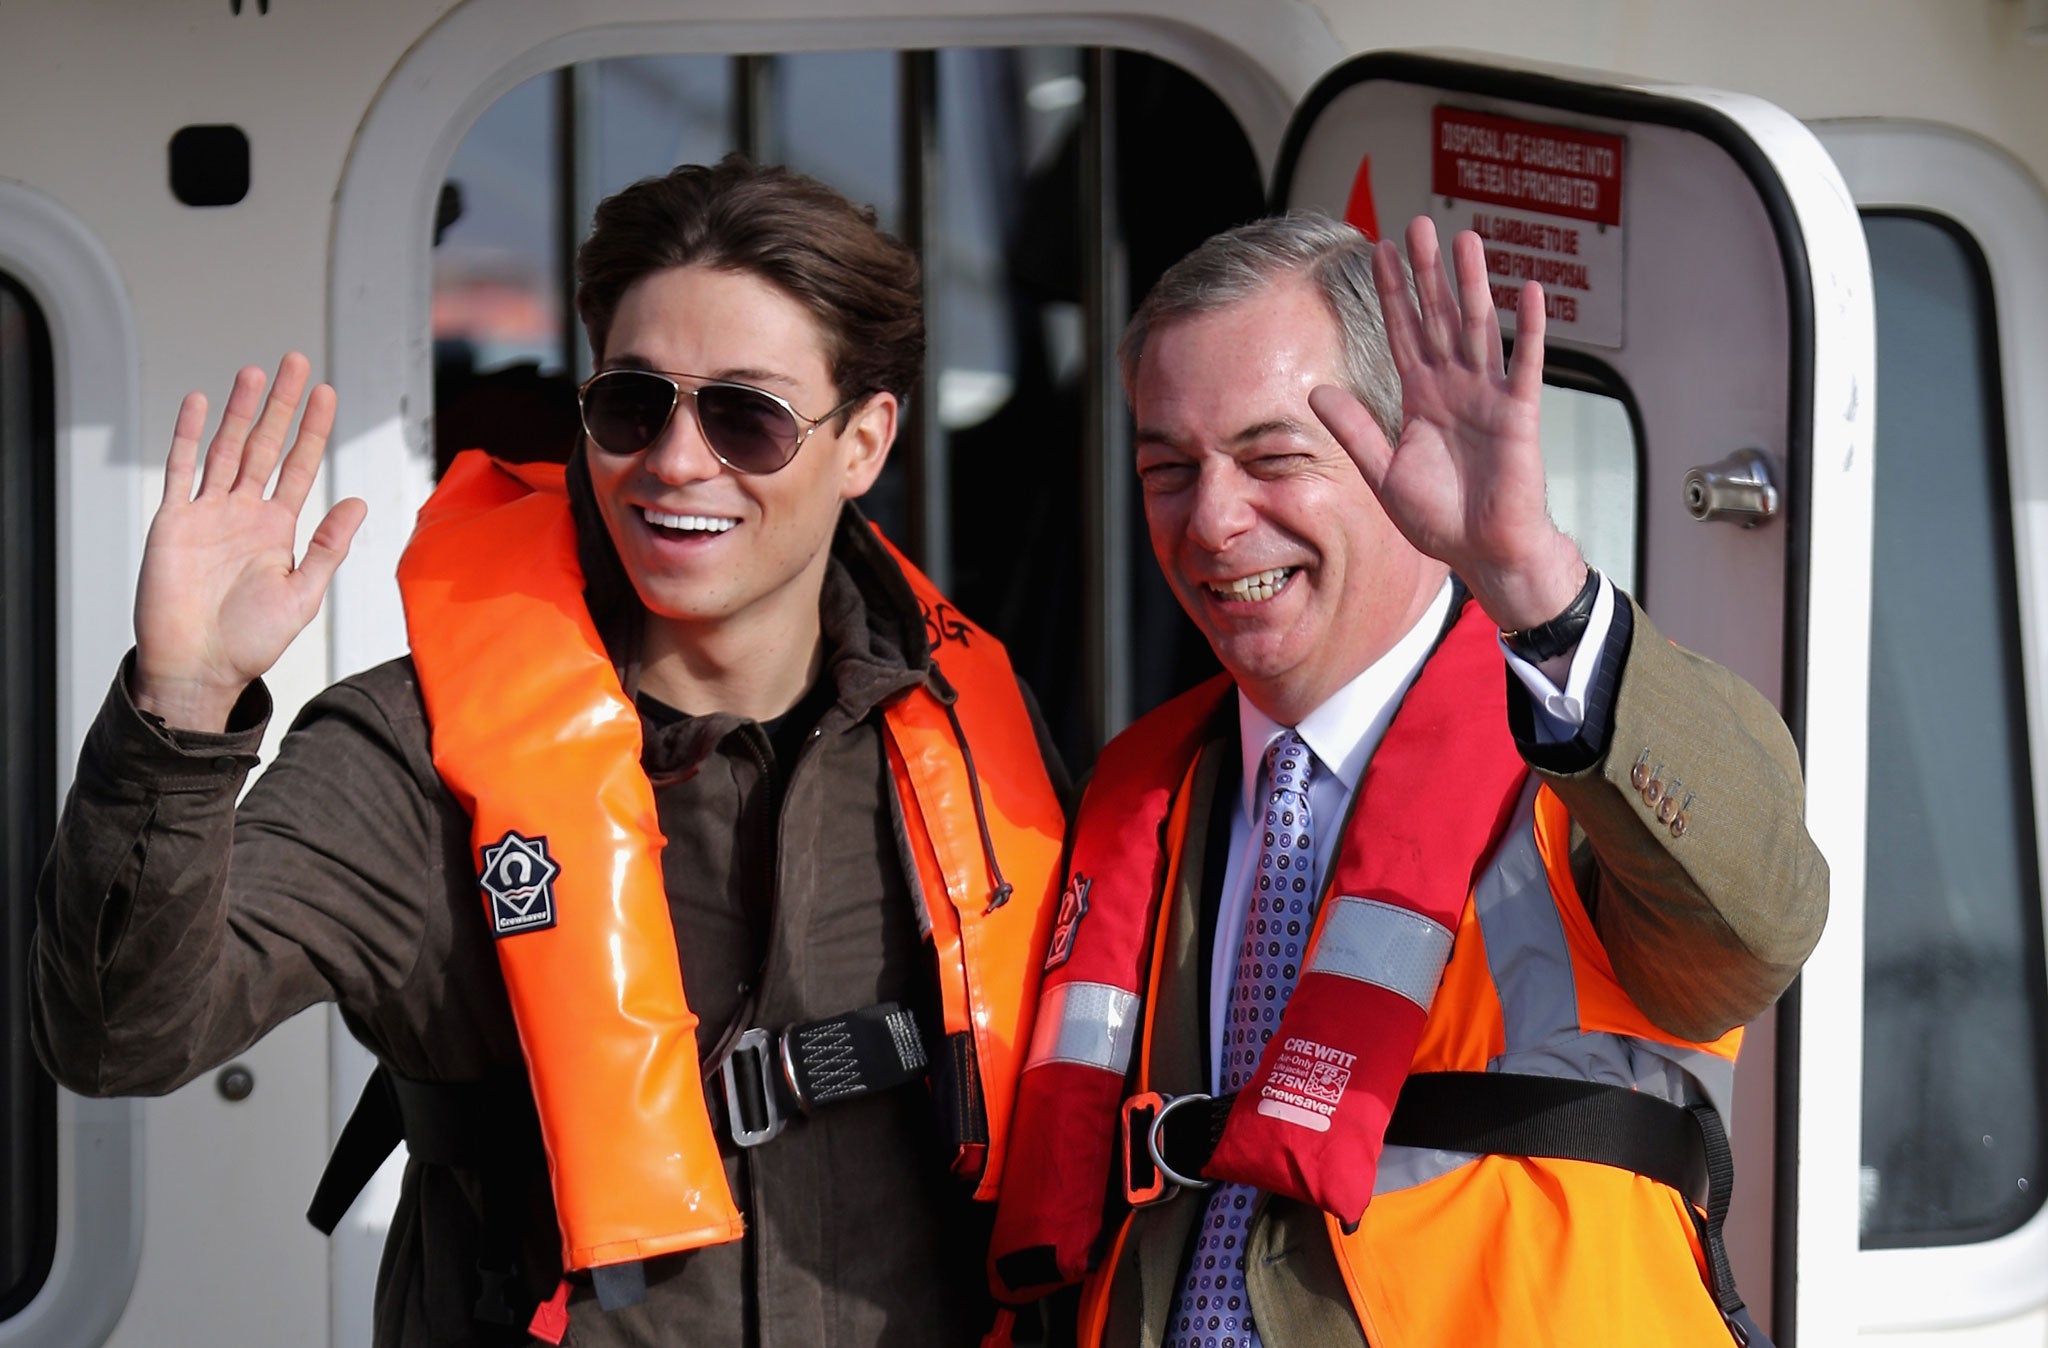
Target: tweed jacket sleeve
(1707, 906)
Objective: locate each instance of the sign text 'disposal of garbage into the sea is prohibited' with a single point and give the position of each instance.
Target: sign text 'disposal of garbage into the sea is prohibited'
(1547, 201)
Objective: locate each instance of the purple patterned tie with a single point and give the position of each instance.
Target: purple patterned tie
(1214, 1311)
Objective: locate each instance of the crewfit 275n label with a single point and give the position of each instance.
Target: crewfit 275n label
(1306, 1084)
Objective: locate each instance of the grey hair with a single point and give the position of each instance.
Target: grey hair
(1240, 263)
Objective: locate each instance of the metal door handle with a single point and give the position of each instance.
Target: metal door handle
(1738, 489)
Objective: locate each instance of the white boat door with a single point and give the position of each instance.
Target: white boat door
(1708, 431)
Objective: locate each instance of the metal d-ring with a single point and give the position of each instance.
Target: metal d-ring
(1152, 1143)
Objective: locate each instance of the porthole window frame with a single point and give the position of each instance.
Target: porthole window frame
(72, 279)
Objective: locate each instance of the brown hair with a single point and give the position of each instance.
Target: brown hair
(788, 229)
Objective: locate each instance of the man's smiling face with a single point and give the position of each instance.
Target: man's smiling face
(702, 543)
(1267, 533)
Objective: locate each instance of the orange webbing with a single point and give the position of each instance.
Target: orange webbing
(938, 903)
(533, 734)
(991, 953)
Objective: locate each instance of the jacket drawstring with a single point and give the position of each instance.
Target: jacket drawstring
(947, 697)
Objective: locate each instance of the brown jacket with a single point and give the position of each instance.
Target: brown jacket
(175, 929)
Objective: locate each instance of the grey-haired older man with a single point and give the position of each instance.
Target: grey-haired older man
(1460, 844)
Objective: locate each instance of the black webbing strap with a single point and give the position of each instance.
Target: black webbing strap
(1509, 1114)
(1720, 1185)
(1555, 1117)
(769, 1077)
(486, 1127)
(619, 1285)
(956, 1089)
(373, 1132)
(876, 1048)
(481, 1126)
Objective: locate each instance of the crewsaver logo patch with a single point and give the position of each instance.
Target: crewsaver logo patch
(1073, 907)
(519, 875)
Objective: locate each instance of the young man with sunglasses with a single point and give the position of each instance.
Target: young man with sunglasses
(690, 886)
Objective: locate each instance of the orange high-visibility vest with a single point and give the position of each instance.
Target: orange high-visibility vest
(1490, 1250)
(537, 740)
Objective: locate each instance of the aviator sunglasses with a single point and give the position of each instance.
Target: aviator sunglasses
(749, 429)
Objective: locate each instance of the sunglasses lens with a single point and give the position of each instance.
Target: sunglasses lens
(750, 430)
(624, 410)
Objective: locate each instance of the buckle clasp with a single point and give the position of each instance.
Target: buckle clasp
(750, 1089)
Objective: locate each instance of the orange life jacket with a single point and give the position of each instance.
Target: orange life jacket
(536, 738)
(1486, 1250)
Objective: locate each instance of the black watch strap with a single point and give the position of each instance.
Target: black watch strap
(1560, 634)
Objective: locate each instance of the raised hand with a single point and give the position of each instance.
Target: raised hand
(221, 595)
(1465, 484)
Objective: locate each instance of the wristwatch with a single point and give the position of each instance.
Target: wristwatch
(1560, 634)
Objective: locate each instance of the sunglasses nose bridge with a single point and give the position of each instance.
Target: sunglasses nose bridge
(682, 452)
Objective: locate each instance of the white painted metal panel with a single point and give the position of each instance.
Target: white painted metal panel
(1916, 166)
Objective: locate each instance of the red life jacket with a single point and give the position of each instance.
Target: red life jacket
(539, 743)
(1440, 789)
(1486, 1251)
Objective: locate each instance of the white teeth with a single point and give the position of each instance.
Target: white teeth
(1255, 589)
(707, 524)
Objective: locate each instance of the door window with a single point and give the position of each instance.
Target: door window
(1592, 470)
(1952, 1052)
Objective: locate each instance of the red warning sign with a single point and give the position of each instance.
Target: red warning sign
(1546, 201)
(1530, 166)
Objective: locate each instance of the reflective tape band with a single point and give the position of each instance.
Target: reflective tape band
(1094, 1024)
(1389, 947)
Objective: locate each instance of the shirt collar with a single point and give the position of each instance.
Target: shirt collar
(1348, 726)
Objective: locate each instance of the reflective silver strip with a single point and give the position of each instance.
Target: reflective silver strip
(1094, 1024)
(1383, 945)
(1526, 949)
(1405, 1167)
(1698, 1074)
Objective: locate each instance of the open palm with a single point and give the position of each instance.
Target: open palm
(1465, 484)
(221, 594)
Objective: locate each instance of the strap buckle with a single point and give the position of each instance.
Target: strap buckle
(1148, 1179)
(750, 1105)
(774, 1076)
